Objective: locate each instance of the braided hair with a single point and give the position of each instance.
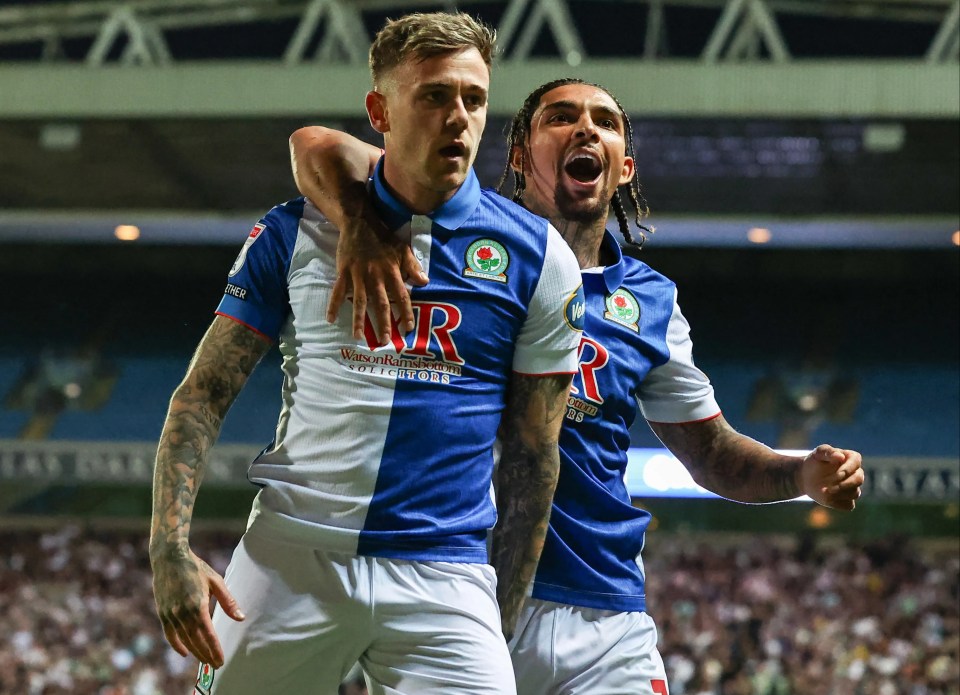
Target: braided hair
(520, 132)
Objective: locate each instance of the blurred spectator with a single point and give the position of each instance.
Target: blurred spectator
(879, 618)
(80, 618)
(774, 617)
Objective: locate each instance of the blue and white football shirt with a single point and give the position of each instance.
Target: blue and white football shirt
(388, 451)
(635, 349)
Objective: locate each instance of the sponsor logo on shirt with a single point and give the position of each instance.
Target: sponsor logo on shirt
(242, 257)
(399, 367)
(623, 308)
(205, 679)
(575, 309)
(236, 291)
(584, 401)
(427, 353)
(487, 260)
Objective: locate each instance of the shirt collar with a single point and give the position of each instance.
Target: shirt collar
(451, 215)
(614, 272)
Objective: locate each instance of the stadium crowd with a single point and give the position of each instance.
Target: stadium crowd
(771, 616)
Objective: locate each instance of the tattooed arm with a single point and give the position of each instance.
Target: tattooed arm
(525, 481)
(182, 582)
(739, 468)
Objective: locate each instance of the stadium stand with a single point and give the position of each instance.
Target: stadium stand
(884, 380)
(138, 403)
(11, 421)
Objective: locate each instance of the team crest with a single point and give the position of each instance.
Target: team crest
(205, 679)
(488, 260)
(623, 308)
(242, 257)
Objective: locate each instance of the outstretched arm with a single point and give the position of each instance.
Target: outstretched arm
(182, 582)
(331, 168)
(739, 468)
(526, 479)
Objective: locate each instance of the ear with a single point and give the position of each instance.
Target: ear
(626, 175)
(516, 159)
(376, 104)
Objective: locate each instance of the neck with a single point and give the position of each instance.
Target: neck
(417, 198)
(584, 238)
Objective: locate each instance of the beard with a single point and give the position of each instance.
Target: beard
(583, 211)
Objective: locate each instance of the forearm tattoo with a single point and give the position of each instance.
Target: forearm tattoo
(526, 479)
(729, 463)
(220, 367)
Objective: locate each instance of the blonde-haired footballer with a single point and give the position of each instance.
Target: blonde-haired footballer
(368, 538)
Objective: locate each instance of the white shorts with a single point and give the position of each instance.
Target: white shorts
(417, 628)
(570, 650)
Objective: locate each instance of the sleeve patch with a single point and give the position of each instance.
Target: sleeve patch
(575, 309)
(242, 256)
(236, 291)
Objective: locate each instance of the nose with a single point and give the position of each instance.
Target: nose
(586, 129)
(457, 117)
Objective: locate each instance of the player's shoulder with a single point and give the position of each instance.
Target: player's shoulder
(285, 217)
(274, 235)
(283, 223)
(636, 271)
(511, 215)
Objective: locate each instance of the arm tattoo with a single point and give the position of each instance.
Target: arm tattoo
(223, 361)
(729, 463)
(525, 481)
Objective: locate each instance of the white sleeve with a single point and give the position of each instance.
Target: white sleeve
(550, 335)
(677, 391)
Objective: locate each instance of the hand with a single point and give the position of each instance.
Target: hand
(182, 585)
(832, 477)
(375, 264)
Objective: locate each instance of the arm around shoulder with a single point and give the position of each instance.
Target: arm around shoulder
(329, 166)
(331, 169)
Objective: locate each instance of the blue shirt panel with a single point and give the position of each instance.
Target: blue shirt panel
(470, 405)
(256, 292)
(590, 556)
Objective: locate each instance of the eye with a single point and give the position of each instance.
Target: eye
(474, 101)
(608, 123)
(559, 117)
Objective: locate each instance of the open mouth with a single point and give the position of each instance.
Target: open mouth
(585, 168)
(454, 150)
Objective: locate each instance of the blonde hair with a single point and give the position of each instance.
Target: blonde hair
(423, 35)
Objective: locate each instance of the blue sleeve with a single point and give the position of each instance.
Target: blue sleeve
(256, 292)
